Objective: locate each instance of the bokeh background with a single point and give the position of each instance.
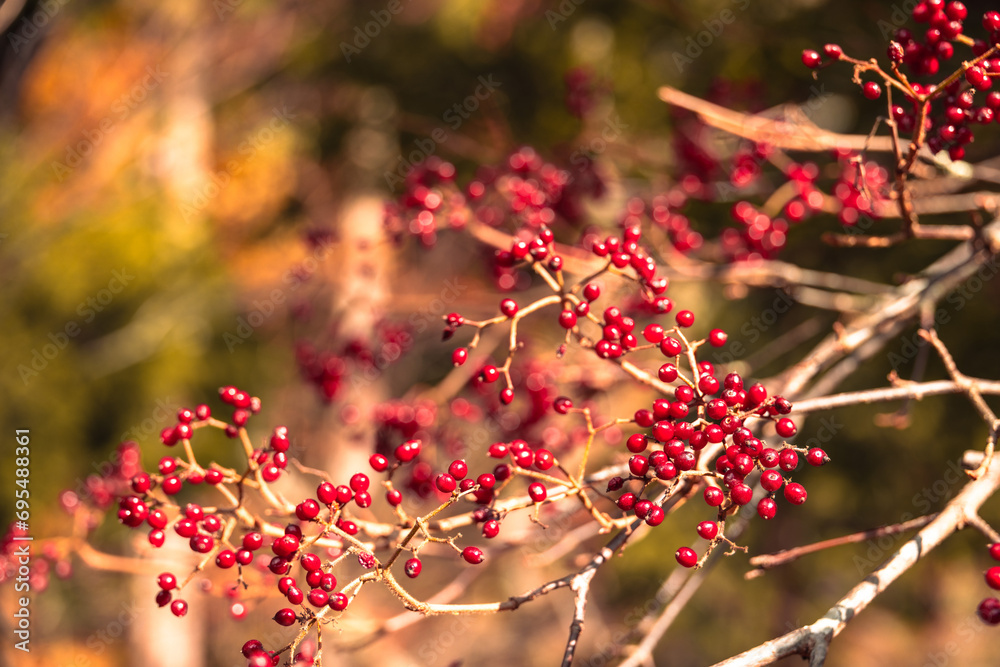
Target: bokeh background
(191, 195)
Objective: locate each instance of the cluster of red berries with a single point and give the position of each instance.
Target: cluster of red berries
(989, 609)
(954, 109)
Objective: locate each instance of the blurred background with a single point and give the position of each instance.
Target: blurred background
(192, 195)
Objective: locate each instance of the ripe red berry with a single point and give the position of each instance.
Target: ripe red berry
(562, 405)
(412, 568)
(795, 493)
(445, 483)
(489, 373)
(767, 508)
(833, 51)
(989, 611)
(537, 492)
(378, 463)
(685, 318)
(993, 577)
(491, 529)
(785, 427)
(178, 608)
(167, 581)
(995, 551)
(473, 555)
(788, 459)
(771, 480)
(338, 602)
(285, 617)
(591, 291)
(713, 496)
(459, 356)
(741, 494)
(816, 457)
(811, 59)
(707, 530)
(508, 307)
(654, 516)
(717, 338)
(686, 557)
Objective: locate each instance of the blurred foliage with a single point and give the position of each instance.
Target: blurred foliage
(186, 150)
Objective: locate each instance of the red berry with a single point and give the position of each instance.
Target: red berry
(459, 356)
(167, 581)
(591, 291)
(285, 617)
(537, 492)
(685, 318)
(473, 555)
(378, 463)
(833, 51)
(771, 480)
(508, 307)
(567, 319)
(816, 457)
(686, 557)
(338, 602)
(788, 459)
(412, 568)
(655, 516)
(717, 338)
(178, 608)
(993, 577)
(445, 483)
(995, 551)
(989, 611)
(713, 496)
(785, 427)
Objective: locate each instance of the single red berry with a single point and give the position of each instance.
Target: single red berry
(591, 291)
(771, 480)
(338, 602)
(833, 51)
(486, 480)
(537, 492)
(285, 617)
(459, 356)
(989, 611)
(993, 577)
(445, 483)
(509, 307)
(506, 396)
(816, 457)
(178, 608)
(473, 555)
(378, 463)
(489, 373)
(795, 493)
(717, 338)
(307, 510)
(318, 597)
(811, 59)
(491, 529)
(167, 581)
(252, 647)
(655, 516)
(788, 460)
(685, 318)
(741, 494)
(713, 496)
(686, 557)
(226, 559)
(995, 551)
(412, 568)
(767, 508)
(707, 530)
